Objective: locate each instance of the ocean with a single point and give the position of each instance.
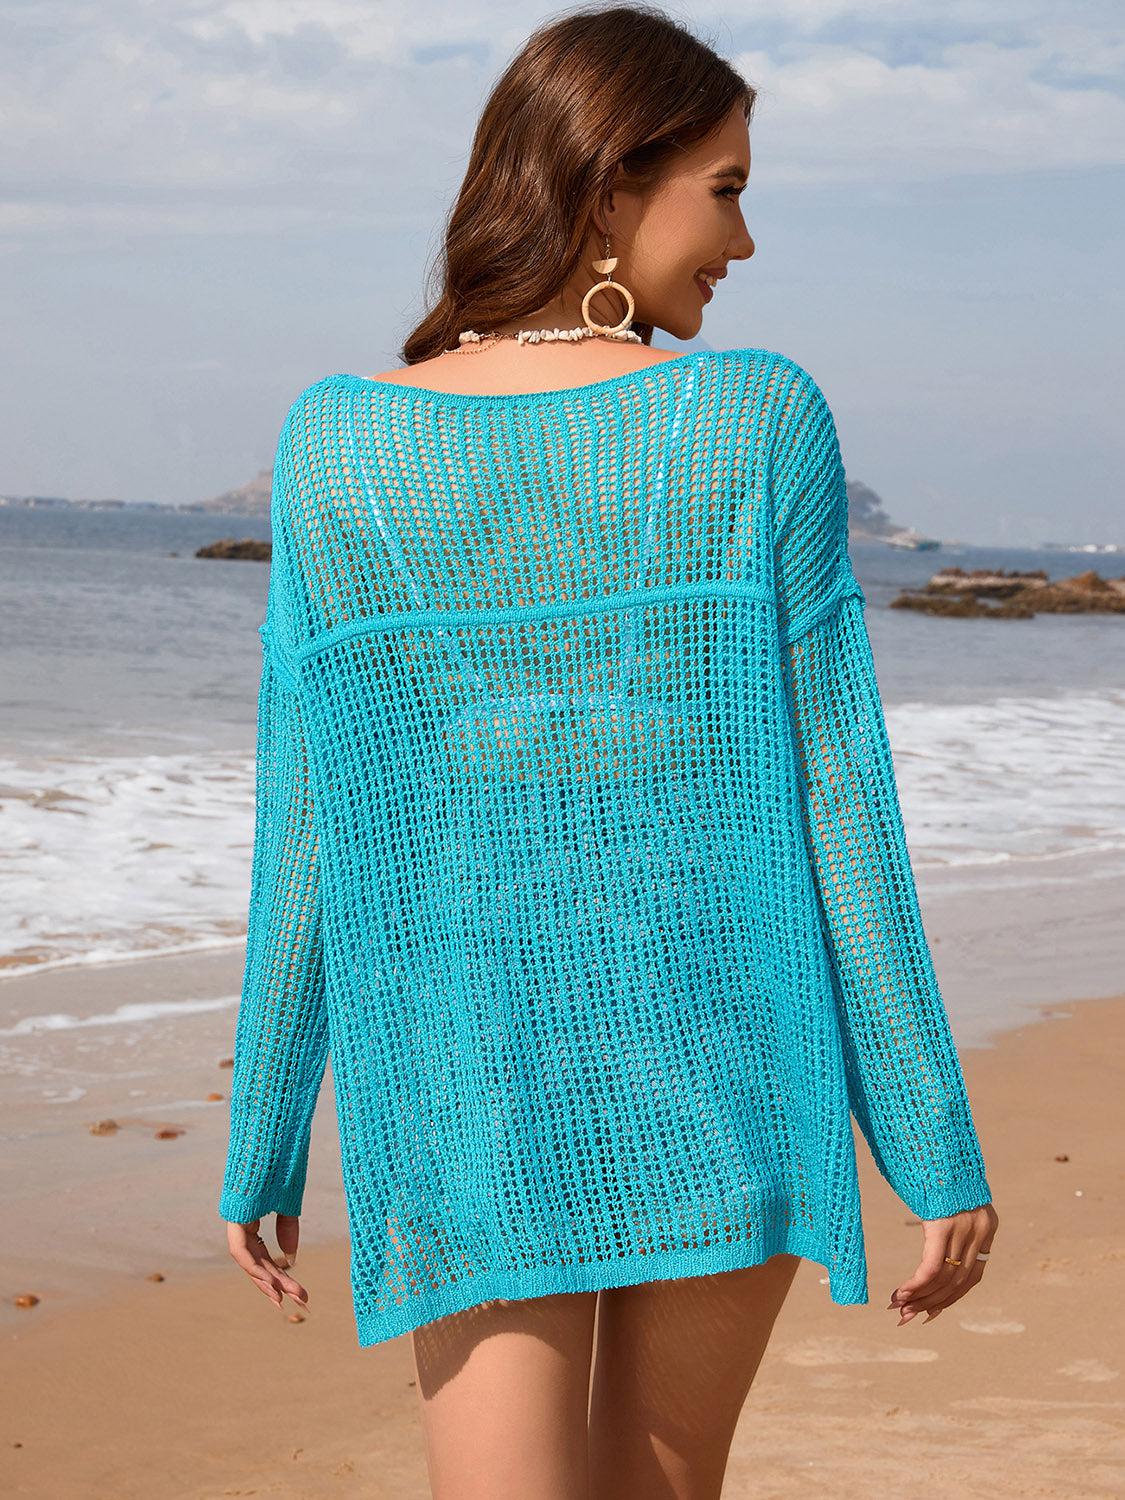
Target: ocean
(130, 672)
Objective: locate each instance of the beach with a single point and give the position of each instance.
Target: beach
(151, 1367)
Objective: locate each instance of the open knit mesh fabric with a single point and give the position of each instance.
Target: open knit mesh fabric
(578, 845)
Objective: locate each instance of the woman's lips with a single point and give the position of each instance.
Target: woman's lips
(707, 291)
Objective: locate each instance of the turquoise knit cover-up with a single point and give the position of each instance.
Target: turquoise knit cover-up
(578, 844)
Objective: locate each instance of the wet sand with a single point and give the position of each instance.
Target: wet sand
(120, 1386)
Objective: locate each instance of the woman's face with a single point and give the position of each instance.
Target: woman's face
(690, 223)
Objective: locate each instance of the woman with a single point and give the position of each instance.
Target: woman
(577, 832)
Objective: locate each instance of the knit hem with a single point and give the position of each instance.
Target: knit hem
(847, 1287)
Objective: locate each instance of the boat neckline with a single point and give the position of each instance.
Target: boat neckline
(496, 398)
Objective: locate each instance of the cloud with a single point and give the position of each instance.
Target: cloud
(229, 118)
(838, 112)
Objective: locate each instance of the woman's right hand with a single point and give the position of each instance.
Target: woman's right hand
(936, 1283)
(270, 1276)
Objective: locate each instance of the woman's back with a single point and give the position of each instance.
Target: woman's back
(579, 842)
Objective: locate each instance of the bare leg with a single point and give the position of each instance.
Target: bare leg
(504, 1389)
(673, 1366)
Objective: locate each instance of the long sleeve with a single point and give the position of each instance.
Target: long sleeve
(905, 1082)
(281, 1037)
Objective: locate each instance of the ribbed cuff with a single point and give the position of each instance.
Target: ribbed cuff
(238, 1208)
(944, 1199)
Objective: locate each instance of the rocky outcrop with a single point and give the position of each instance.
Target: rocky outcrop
(245, 549)
(868, 521)
(1004, 594)
(249, 499)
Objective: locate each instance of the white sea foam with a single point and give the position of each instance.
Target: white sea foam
(113, 858)
(123, 1015)
(1020, 780)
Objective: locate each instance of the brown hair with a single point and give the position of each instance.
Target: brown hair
(597, 93)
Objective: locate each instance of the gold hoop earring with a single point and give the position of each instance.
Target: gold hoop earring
(607, 266)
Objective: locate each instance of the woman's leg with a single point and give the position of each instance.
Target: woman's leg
(504, 1390)
(673, 1366)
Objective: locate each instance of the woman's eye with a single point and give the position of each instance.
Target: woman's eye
(730, 192)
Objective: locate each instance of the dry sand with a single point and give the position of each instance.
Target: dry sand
(194, 1386)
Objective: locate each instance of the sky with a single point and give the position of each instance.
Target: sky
(207, 206)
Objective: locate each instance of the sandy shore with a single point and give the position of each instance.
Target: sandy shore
(194, 1386)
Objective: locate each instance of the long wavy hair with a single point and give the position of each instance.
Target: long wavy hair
(600, 97)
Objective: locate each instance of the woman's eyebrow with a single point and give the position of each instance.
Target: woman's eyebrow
(730, 169)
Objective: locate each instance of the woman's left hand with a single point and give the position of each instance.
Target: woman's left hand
(937, 1282)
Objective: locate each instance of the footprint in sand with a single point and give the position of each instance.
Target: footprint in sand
(830, 1380)
(991, 1325)
(843, 1351)
(1088, 1369)
(1052, 1272)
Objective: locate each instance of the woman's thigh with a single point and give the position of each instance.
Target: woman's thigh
(672, 1368)
(504, 1389)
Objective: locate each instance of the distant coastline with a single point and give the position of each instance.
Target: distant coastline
(868, 520)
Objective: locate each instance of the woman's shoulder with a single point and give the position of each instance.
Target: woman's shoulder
(768, 383)
(782, 369)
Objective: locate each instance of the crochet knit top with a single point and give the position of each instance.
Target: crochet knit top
(578, 846)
